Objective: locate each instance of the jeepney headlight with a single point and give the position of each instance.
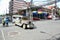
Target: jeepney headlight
(27, 26)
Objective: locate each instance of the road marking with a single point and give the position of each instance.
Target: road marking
(2, 34)
(13, 34)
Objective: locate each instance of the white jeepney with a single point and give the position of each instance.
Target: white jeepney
(21, 22)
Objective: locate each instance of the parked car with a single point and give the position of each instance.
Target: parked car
(36, 18)
(49, 17)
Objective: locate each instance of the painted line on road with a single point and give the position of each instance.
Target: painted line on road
(2, 34)
(13, 33)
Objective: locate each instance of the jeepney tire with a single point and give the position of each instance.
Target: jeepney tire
(24, 26)
(15, 24)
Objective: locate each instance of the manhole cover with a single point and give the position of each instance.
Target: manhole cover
(13, 34)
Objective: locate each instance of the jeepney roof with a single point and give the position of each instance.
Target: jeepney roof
(17, 16)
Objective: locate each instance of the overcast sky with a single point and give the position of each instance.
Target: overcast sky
(4, 5)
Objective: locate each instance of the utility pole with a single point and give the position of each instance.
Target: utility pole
(30, 11)
(56, 5)
(26, 9)
(54, 10)
(30, 15)
(6, 11)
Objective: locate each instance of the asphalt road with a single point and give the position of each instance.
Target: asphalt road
(44, 30)
(1, 37)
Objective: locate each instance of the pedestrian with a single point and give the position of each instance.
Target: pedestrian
(7, 21)
(3, 21)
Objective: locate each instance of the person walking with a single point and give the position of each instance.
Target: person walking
(3, 21)
(7, 21)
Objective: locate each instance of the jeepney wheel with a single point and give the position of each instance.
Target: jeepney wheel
(15, 24)
(24, 26)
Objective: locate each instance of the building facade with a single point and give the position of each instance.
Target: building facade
(15, 5)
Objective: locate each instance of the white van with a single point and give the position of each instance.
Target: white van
(20, 21)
